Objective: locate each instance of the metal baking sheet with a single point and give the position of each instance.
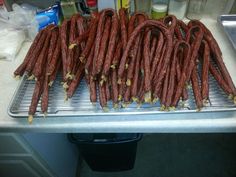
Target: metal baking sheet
(228, 23)
(80, 104)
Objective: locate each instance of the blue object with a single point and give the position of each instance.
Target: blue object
(48, 16)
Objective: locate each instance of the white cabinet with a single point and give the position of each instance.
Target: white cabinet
(32, 155)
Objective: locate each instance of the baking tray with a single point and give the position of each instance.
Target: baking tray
(228, 22)
(80, 104)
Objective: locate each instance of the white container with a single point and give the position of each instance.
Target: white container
(178, 8)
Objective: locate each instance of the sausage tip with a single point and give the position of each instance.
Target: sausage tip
(115, 105)
(101, 82)
(198, 109)
(128, 82)
(120, 97)
(65, 86)
(31, 77)
(205, 101)
(105, 109)
(50, 83)
(119, 81)
(30, 119)
(66, 98)
(135, 99)
(82, 59)
(155, 100)
(113, 66)
(126, 66)
(171, 108)
(45, 114)
(162, 108)
(17, 77)
(147, 97)
(71, 46)
(69, 76)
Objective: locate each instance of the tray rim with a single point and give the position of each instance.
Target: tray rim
(113, 113)
(220, 21)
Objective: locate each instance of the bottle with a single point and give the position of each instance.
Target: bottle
(68, 8)
(123, 4)
(159, 10)
(178, 8)
(143, 6)
(92, 5)
(195, 9)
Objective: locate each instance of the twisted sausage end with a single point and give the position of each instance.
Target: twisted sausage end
(120, 97)
(128, 82)
(155, 100)
(31, 77)
(30, 119)
(135, 99)
(17, 77)
(147, 97)
(162, 108)
(71, 46)
(116, 106)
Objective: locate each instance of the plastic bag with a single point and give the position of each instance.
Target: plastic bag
(10, 42)
(21, 19)
(48, 16)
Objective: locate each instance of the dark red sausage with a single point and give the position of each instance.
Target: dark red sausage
(165, 89)
(112, 43)
(91, 38)
(134, 86)
(167, 34)
(147, 73)
(45, 96)
(35, 98)
(76, 81)
(21, 69)
(220, 80)
(102, 96)
(42, 59)
(205, 72)
(183, 78)
(172, 76)
(114, 87)
(158, 55)
(196, 89)
(93, 90)
(89, 62)
(55, 58)
(195, 45)
(98, 62)
(124, 28)
(117, 56)
(53, 75)
(36, 53)
(64, 30)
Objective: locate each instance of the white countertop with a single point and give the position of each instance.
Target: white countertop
(188, 122)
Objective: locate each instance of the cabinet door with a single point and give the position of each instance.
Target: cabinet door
(16, 168)
(17, 158)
